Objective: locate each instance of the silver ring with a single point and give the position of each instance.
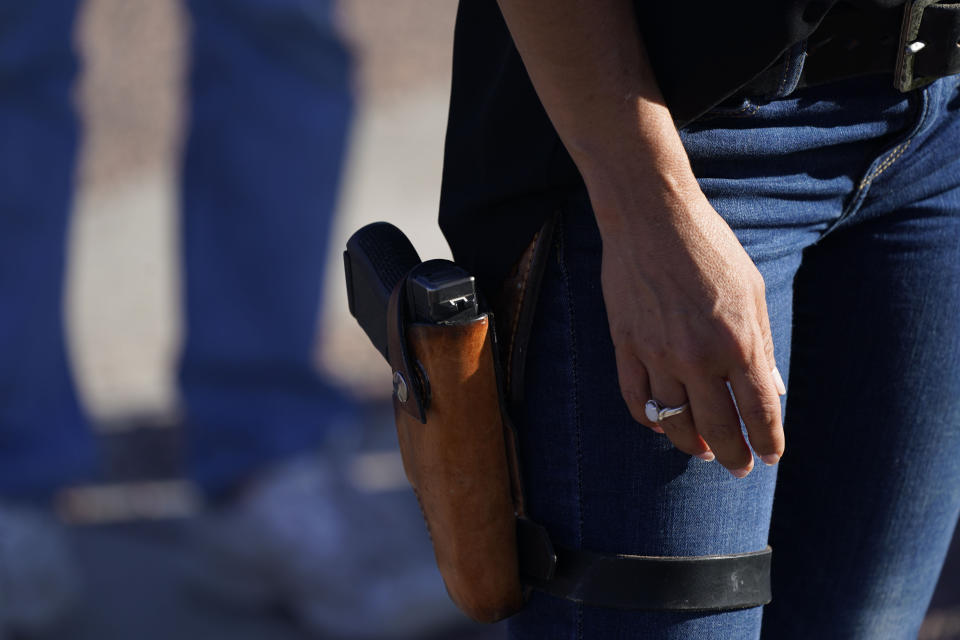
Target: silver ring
(656, 412)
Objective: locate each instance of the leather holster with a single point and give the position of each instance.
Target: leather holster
(459, 447)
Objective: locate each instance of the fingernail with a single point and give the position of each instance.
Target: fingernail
(742, 473)
(707, 456)
(778, 381)
(658, 428)
(770, 459)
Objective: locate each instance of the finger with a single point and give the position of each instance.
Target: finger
(716, 420)
(634, 387)
(669, 392)
(768, 345)
(759, 406)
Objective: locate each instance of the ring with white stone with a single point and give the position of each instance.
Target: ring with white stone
(656, 412)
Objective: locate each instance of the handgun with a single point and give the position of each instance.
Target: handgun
(379, 256)
(457, 445)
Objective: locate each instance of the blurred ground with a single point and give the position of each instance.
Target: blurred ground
(123, 300)
(140, 569)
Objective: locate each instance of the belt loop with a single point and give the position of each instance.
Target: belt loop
(793, 64)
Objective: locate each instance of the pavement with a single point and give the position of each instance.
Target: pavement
(123, 297)
(130, 533)
(146, 594)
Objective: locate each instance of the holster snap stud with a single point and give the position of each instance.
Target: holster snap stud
(400, 387)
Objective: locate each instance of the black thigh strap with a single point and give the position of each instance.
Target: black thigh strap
(699, 583)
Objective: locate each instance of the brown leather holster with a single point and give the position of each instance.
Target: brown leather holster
(459, 446)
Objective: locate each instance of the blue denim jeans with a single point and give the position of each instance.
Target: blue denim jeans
(269, 111)
(847, 198)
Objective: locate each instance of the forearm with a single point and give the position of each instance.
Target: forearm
(587, 62)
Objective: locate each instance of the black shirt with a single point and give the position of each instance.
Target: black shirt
(505, 169)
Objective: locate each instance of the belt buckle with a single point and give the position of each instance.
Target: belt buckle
(909, 46)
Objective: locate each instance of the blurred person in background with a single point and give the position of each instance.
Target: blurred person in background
(270, 105)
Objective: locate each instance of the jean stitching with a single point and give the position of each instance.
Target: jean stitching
(888, 161)
(786, 74)
(895, 153)
(565, 277)
(899, 151)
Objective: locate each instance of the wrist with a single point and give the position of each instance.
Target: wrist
(633, 173)
(645, 198)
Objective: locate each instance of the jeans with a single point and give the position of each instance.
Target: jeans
(269, 111)
(847, 198)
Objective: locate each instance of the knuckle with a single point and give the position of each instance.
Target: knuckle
(693, 357)
(657, 353)
(714, 431)
(683, 441)
(727, 332)
(622, 338)
(737, 347)
(760, 414)
(678, 425)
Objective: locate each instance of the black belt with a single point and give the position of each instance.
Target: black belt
(652, 583)
(914, 45)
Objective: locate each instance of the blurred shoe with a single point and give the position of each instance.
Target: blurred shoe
(345, 563)
(39, 580)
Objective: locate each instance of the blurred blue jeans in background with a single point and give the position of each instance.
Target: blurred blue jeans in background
(847, 198)
(269, 108)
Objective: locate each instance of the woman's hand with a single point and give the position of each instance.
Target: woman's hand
(686, 304)
(687, 315)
